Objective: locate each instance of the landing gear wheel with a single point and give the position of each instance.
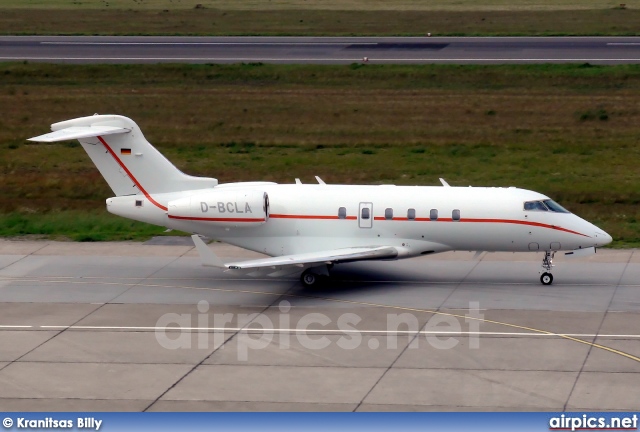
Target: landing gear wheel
(310, 279)
(547, 264)
(546, 278)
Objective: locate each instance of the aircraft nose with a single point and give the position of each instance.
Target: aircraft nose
(602, 238)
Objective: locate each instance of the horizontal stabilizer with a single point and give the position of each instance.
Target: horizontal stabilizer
(78, 132)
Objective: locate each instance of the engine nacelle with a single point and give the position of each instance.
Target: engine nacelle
(225, 208)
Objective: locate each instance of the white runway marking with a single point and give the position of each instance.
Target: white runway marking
(336, 331)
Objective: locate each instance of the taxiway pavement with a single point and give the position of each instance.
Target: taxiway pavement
(320, 50)
(130, 326)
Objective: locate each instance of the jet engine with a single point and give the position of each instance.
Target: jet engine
(226, 208)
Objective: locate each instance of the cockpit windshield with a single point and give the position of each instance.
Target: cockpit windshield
(544, 205)
(535, 205)
(555, 207)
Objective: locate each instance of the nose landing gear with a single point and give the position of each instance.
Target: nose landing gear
(547, 264)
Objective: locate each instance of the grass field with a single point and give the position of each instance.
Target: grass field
(357, 5)
(331, 17)
(567, 131)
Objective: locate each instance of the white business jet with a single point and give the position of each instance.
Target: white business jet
(309, 228)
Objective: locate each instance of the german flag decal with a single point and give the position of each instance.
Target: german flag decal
(125, 151)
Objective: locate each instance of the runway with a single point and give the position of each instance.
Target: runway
(126, 326)
(320, 50)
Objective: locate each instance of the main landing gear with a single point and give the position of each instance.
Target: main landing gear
(547, 264)
(314, 277)
(309, 279)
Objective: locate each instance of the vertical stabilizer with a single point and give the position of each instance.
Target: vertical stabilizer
(126, 160)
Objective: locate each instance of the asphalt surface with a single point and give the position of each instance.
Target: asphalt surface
(125, 326)
(320, 50)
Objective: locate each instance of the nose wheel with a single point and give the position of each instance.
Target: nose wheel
(546, 278)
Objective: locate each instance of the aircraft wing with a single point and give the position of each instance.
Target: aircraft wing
(300, 260)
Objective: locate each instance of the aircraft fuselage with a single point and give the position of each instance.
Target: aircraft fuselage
(417, 220)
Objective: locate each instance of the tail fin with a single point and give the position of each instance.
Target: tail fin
(126, 160)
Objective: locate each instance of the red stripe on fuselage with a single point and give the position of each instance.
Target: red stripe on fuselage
(284, 216)
(216, 219)
(137, 183)
(467, 220)
(520, 222)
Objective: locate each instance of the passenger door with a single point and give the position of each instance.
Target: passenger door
(365, 215)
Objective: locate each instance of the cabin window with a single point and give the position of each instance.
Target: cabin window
(455, 215)
(388, 214)
(138, 203)
(411, 214)
(366, 213)
(342, 213)
(535, 206)
(433, 214)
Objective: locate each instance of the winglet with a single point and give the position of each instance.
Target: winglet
(320, 181)
(207, 256)
(444, 183)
